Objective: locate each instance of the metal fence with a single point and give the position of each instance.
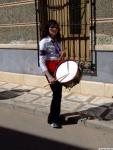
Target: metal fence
(77, 23)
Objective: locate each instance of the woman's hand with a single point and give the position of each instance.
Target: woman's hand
(62, 55)
(49, 77)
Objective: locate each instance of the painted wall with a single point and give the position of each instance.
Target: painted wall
(26, 62)
(19, 61)
(104, 68)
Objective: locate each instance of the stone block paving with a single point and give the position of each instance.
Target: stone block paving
(2, 89)
(41, 91)
(43, 101)
(37, 100)
(70, 106)
(1, 83)
(26, 98)
(9, 86)
(25, 88)
(102, 101)
(78, 98)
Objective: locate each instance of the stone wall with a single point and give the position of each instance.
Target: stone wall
(104, 24)
(24, 14)
(17, 22)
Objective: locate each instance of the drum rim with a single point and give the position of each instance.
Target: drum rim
(62, 63)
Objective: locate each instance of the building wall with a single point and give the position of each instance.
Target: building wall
(19, 61)
(104, 15)
(17, 21)
(25, 61)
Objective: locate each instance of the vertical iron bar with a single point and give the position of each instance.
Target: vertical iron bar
(79, 48)
(85, 18)
(74, 55)
(48, 11)
(64, 30)
(91, 31)
(37, 29)
(95, 34)
(68, 30)
(56, 11)
(94, 22)
(79, 33)
(61, 21)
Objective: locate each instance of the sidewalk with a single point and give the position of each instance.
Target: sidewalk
(85, 109)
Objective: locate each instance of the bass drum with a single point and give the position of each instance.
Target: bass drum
(68, 73)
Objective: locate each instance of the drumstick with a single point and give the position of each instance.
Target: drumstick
(58, 79)
(63, 77)
(68, 66)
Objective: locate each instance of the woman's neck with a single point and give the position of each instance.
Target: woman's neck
(53, 38)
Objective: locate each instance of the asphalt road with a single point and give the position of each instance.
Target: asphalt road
(23, 131)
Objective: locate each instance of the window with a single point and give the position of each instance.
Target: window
(75, 16)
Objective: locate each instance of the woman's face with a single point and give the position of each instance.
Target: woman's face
(53, 30)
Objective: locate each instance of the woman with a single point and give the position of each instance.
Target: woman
(50, 54)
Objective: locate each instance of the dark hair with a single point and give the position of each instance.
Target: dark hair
(45, 31)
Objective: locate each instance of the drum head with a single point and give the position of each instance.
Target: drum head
(66, 71)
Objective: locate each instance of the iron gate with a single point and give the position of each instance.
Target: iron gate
(77, 22)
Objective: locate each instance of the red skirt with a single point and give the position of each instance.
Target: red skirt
(52, 65)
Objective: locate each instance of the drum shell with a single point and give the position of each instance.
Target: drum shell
(75, 79)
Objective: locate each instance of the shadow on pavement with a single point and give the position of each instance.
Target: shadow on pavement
(12, 93)
(14, 140)
(103, 112)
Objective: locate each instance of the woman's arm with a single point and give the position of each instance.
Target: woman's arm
(42, 47)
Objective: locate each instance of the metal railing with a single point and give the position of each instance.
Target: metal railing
(75, 29)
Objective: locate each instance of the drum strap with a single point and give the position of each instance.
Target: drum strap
(57, 48)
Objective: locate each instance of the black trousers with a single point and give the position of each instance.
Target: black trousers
(55, 107)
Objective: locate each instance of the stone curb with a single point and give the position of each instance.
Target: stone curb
(101, 125)
(79, 101)
(98, 124)
(84, 87)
